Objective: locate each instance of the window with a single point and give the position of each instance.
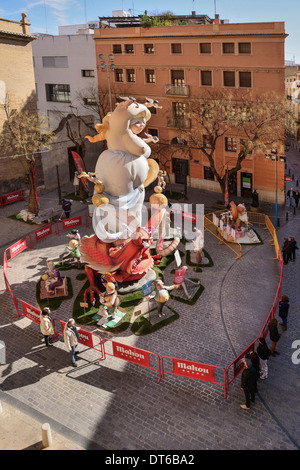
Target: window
(150, 76)
(206, 78)
(230, 144)
(177, 77)
(117, 49)
(55, 61)
(244, 47)
(129, 49)
(205, 48)
(148, 48)
(58, 93)
(229, 78)
(119, 77)
(208, 174)
(179, 109)
(228, 47)
(176, 48)
(87, 73)
(153, 132)
(130, 75)
(245, 79)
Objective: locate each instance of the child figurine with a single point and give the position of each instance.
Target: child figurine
(109, 302)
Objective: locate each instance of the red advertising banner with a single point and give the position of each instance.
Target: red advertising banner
(189, 217)
(194, 370)
(31, 312)
(17, 247)
(131, 354)
(43, 232)
(12, 197)
(72, 222)
(86, 338)
(179, 276)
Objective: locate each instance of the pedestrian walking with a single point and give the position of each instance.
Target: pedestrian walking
(248, 380)
(283, 311)
(274, 336)
(291, 195)
(46, 326)
(296, 196)
(71, 336)
(286, 251)
(263, 353)
(293, 248)
(67, 207)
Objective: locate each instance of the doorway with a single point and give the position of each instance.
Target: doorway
(246, 185)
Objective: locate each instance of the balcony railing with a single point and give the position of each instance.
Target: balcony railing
(179, 122)
(177, 90)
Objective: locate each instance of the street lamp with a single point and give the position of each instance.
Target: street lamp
(107, 65)
(274, 157)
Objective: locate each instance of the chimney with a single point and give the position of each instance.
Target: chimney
(193, 13)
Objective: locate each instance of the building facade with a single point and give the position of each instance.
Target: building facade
(172, 64)
(66, 84)
(292, 87)
(17, 91)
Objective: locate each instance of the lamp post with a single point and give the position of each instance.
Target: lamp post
(274, 157)
(107, 65)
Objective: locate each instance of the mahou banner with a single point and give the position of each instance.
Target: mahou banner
(31, 312)
(128, 353)
(43, 232)
(17, 247)
(72, 222)
(194, 370)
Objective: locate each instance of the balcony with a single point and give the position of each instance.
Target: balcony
(177, 90)
(179, 122)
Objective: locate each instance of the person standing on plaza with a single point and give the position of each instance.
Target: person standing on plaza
(248, 381)
(291, 195)
(254, 358)
(283, 311)
(263, 353)
(286, 251)
(274, 336)
(71, 336)
(67, 207)
(296, 196)
(46, 326)
(293, 248)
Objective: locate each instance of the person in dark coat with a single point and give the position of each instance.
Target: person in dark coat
(283, 311)
(67, 206)
(291, 195)
(248, 383)
(263, 353)
(274, 336)
(286, 251)
(254, 358)
(296, 196)
(293, 248)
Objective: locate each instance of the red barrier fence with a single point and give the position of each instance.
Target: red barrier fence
(180, 367)
(133, 355)
(194, 370)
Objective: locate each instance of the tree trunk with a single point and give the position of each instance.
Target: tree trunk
(33, 201)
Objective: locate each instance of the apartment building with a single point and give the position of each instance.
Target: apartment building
(66, 85)
(174, 63)
(292, 88)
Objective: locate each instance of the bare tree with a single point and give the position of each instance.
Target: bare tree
(259, 121)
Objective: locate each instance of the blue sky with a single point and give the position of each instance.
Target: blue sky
(47, 15)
